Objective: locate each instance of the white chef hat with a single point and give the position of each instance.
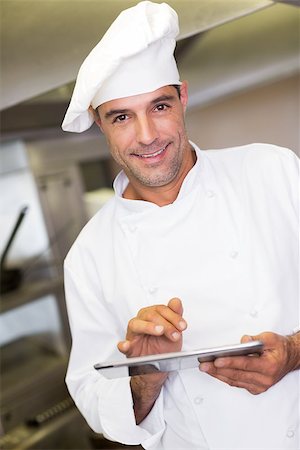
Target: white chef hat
(134, 56)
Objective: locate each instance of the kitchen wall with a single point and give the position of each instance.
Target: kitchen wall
(268, 113)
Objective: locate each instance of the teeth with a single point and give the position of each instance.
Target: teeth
(152, 155)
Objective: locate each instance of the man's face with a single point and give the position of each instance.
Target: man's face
(146, 135)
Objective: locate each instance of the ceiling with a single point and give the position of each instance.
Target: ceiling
(224, 46)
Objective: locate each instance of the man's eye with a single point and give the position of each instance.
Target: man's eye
(120, 118)
(161, 107)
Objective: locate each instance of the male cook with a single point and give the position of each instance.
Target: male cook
(196, 249)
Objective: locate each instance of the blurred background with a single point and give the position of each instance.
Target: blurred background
(241, 59)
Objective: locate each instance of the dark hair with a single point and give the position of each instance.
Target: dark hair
(177, 87)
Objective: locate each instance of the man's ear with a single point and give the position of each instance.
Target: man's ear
(96, 117)
(184, 94)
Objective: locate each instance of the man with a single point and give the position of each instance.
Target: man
(196, 249)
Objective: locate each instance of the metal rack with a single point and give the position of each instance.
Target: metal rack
(36, 409)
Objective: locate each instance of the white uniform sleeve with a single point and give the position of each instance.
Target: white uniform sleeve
(105, 404)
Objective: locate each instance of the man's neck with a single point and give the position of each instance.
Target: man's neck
(161, 195)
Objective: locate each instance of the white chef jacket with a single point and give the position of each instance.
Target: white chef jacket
(229, 248)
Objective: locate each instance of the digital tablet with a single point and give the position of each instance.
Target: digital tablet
(167, 362)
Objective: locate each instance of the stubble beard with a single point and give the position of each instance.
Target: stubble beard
(153, 176)
(156, 178)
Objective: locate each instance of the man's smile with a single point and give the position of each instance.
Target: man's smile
(151, 155)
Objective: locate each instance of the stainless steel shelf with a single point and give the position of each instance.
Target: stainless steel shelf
(32, 378)
(65, 431)
(29, 292)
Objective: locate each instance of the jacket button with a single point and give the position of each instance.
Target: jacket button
(254, 313)
(152, 290)
(210, 194)
(198, 400)
(290, 433)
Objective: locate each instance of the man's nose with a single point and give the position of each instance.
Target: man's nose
(146, 131)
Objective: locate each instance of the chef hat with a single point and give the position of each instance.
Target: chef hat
(134, 56)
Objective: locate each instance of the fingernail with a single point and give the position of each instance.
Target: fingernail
(175, 335)
(182, 325)
(219, 363)
(204, 367)
(159, 328)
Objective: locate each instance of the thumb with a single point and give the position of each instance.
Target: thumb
(124, 347)
(247, 338)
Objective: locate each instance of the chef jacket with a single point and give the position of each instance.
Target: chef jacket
(228, 247)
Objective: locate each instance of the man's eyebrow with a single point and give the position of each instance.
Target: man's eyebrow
(163, 98)
(116, 112)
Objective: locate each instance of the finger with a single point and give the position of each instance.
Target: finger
(138, 326)
(250, 387)
(269, 339)
(253, 363)
(142, 327)
(253, 382)
(247, 338)
(163, 315)
(124, 347)
(176, 305)
(239, 376)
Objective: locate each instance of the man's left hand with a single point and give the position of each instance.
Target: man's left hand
(255, 373)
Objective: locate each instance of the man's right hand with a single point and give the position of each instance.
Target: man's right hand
(155, 329)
